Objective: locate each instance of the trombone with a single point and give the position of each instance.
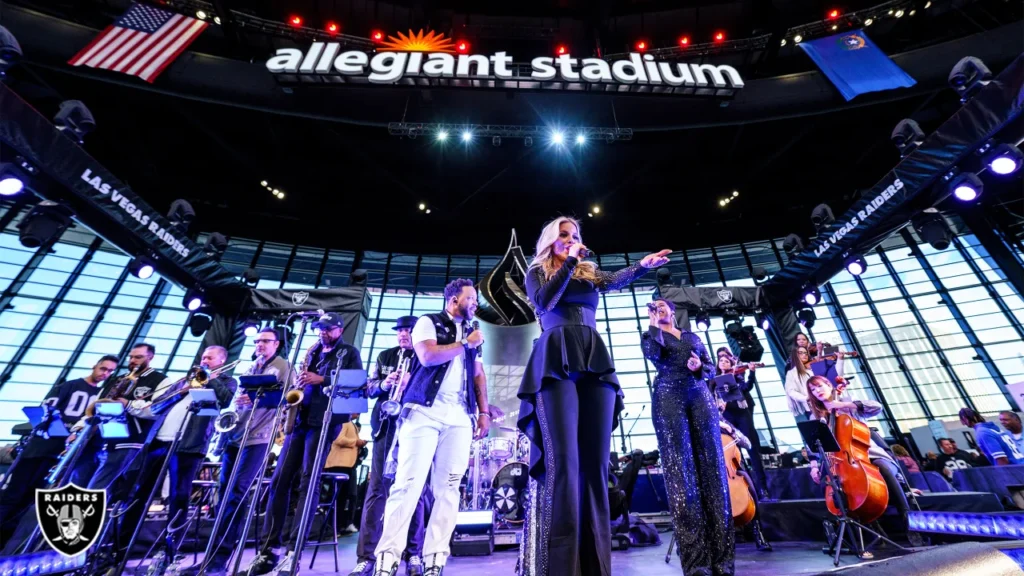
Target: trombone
(197, 377)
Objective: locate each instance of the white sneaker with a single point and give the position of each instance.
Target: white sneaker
(350, 529)
(285, 565)
(386, 565)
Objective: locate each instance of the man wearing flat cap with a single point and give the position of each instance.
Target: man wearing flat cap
(383, 379)
(300, 446)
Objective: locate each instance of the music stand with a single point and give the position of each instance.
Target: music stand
(728, 388)
(38, 415)
(817, 434)
(349, 392)
(112, 421)
(204, 402)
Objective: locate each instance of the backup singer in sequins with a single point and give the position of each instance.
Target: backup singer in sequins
(686, 422)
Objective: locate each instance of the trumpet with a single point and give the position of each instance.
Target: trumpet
(197, 377)
(393, 404)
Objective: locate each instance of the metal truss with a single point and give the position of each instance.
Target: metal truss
(536, 133)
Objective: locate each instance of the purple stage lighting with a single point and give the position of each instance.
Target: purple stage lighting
(966, 187)
(1004, 159)
(857, 266)
(812, 296)
(11, 185)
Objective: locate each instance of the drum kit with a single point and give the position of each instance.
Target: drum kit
(498, 476)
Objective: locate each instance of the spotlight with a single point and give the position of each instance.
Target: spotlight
(812, 296)
(423, 206)
(760, 274)
(833, 14)
(869, 22)
(590, 214)
(933, 229)
(1004, 159)
(782, 42)
(192, 300)
(442, 135)
(561, 50)
(899, 14)
(822, 217)
(597, 210)
(806, 317)
(140, 268)
(264, 183)
(74, 118)
(835, 27)
(427, 210)
(216, 20)
(377, 36)
(200, 14)
(793, 245)
(358, 277)
(216, 245)
(798, 39)
(719, 36)
(295, 20)
(251, 277)
(968, 76)
(684, 41)
(641, 45)
(280, 195)
(721, 202)
(735, 193)
(199, 323)
(332, 28)
(45, 222)
(467, 136)
(912, 12)
(11, 185)
(496, 140)
(528, 141)
(927, 5)
(462, 47)
(703, 321)
(10, 50)
(557, 138)
(14, 175)
(181, 214)
(581, 139)
(966, 187)
(907, 136)
(857, 266)
(762, 320)
(251, 327)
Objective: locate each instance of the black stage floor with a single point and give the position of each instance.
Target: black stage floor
(787, 558)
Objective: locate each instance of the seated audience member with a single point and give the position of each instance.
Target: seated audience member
(952, 458)
(996, 444)
(905, 458)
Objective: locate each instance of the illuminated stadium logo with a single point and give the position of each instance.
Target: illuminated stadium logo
(419, 42)
(851, 42)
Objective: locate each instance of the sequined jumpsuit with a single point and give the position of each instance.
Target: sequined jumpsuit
(686, 423)
(570, 401)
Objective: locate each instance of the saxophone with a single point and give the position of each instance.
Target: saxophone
(294, 396)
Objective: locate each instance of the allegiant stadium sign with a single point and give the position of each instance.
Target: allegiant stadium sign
(391, 67)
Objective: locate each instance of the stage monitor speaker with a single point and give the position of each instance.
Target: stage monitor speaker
(965, 559)
(474, 533)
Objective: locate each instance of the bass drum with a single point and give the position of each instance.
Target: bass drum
(508, 498)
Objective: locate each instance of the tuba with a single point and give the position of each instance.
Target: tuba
(293, 398)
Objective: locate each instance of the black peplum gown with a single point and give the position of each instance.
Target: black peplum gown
(690, 441)
(570, 401)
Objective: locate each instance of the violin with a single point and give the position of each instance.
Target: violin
(744, 367)
(741, 488)
(862, 484)
(835, 356)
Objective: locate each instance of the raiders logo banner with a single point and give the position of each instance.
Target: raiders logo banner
(70, 517)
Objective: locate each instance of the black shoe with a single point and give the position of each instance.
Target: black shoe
(916, 539)
(759, 540)
(363, 568)
(263, 563)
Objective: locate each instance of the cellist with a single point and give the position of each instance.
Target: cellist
(825, 399)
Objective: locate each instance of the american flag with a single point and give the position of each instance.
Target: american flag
(142, 42)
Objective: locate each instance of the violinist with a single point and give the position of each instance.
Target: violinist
(796, 381)
(740, 413)
(824, 400)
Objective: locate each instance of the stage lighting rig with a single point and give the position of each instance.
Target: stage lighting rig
(192, 300)
(200, 322)
(856, 266)
(793, 245)
(216, 245)
(10, 50)
(15, 176)
(181, 215)
(1003, 159)
(358, 277)
(702, 320)
(74, 119)
(968, 76)
(528, 134)
(140, 268)
(806, 317)
(45, 222)
(496, 141)
(907, 136)
(965, 187)
(932, 228)
(822, 217)
(760, 274)
(251, 277)
(812, 296)
(762, 320)
(251, 327)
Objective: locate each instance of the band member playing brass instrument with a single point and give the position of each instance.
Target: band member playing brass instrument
(446, 392)
(69, 400)
(188, 456)
(300, 446)
(242, 464)
(386, 374)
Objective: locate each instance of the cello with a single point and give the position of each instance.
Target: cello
(744, 508)
(867, 495)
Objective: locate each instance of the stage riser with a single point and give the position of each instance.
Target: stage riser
(967, 559)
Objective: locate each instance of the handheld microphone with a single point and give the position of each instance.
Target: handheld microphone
(476, 325)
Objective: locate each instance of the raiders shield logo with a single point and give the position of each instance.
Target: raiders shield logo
(725, 296)
(70, 517)
(299, 298)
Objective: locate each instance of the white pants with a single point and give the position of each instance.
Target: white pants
(432, 440)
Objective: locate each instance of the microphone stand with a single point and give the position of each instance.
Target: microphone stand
(622, 433)
(630, 433)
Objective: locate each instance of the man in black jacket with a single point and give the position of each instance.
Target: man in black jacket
(187, 457)
(300, 446)
(382, 381)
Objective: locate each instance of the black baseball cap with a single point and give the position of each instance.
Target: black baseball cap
(328, 321)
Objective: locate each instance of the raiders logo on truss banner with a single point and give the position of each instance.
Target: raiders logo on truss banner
(70, 517)
(725, 296)
(299, 298)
